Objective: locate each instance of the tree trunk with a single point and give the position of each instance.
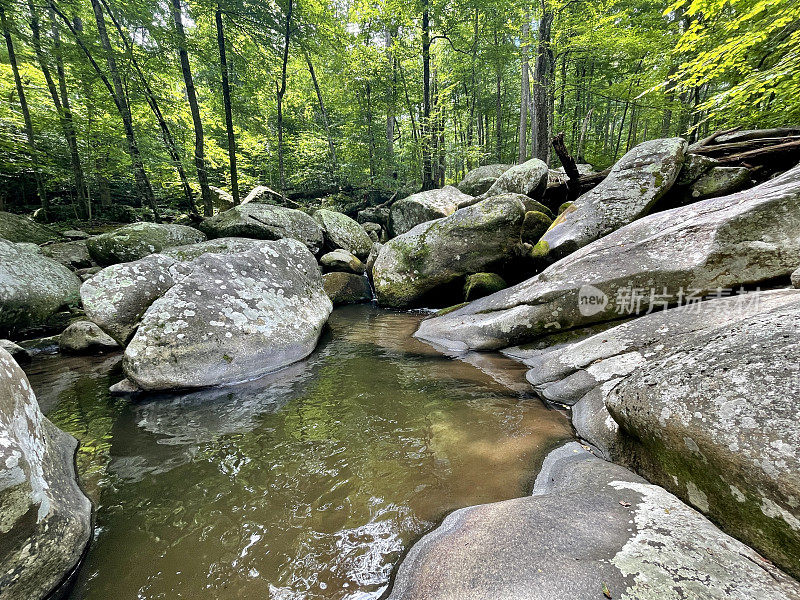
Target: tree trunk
(370, 135)
(390, 102)
(325, 120)
(191, 97)
(26, 115)
(280, 91)
(427, 166)
(542, 84)
(226, 100)
(525, 94)
(582, 139)
(473, 91)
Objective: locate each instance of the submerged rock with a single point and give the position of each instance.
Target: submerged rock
(74, 255)
(480, 179)
(438, 253)
(342, 232)
(742, 239)
(16, 228)
(45, 520)
(633, 186)
(232, 318)
(591, 529)
(346, 288)
(528, 179)
(265, 222)
(426, 206)
(341, 260)
(32, 287)
(85, 337)
(136, 241)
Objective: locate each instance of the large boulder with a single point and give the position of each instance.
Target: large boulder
(716, 421)
(341, 260)
(224, 245)
(529, 179)
(591, 529)
(746, 238)
(85, 337)
(342, 232)
(32, 287)
(480, 179)
(45, 520)
(265, 222)
(16, 228)
(346, 288)
(719, 181)
(118, 296)
(633, 186)
(261, 194)
(222, 200)
(74, 255)
(426, 206)
(136, 241)
(232, 318)
(435, 254)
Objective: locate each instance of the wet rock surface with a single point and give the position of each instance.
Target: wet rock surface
(85, 337)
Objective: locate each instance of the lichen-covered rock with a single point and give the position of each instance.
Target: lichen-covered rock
(719, 181)
(265, 222)
(534, 226)
(412, 266)
(480, 179)
(341, 260)
(32, 287)
(136, 241)
(45, 520)
(373, 230)
(74, 255)
(346, 288)
(232, 318)
(16, 228)
(85, 337)
(633, 186)
(528, 179)
(745, 238)
(715, 420)
(426, 206)
(224, 245)
(118, 296)
(564, 207)
(375, 214)
(222, 200)
(591, 529)
(694, 166)
(342, 232)
(479, 285)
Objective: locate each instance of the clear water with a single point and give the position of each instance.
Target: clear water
(307, 484)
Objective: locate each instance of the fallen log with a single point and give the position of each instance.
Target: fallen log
(761, 153)
(744, 145)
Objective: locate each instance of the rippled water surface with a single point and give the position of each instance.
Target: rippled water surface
(306, 484)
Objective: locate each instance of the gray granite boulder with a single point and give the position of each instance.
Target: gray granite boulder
(45, 519)
(480, 179)
(265, 222)
(373, 230)
(719, 181)
(222, 200)
(694, 166)
(85, 337)
(17, 352)
(32, 287)
(375, 214)
(633, 186)
(261, 194)
(745, 238)
(528, 179)
(232, 318)
(342, 232)
(796, 278)
(426, 206)
(74, 255)
(132, 242)
(434, 254)
(223, 245)
(591, 529)
(346, 288)
(16, 228)
(341, 260)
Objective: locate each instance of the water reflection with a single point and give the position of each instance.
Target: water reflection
(306, 484)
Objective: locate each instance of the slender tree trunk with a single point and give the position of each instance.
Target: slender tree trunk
(427, 166)
(324, 112)
(191, 96)
(473, 91)
(391, 94)
(370, 135)
(525, 94)
(582, 139)
(26, 115)
(542, 84)
(226, 100)
(280, 91)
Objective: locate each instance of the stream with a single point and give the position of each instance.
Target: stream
(306, 484)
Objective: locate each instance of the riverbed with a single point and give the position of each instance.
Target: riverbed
(307, 484)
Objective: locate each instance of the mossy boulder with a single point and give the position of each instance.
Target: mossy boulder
(74, 255)
(480, 179)
(694, 166)
(479, 285)
(85, 337)
(342, 232)
(265, 222)
(641, 178)
(719, 181)
(136, 241)
(535, 225)
(33, 287)
(16, 228)
(564, 207)
(528, 179)
(45, 519)
(411, 268)
(346, 288)
(341, 260)
(426, 206)
(261, 194)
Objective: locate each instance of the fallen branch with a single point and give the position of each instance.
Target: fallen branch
(744, 145)
(711, 139)
(761, 152)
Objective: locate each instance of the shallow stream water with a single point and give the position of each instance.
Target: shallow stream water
(307, 484)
